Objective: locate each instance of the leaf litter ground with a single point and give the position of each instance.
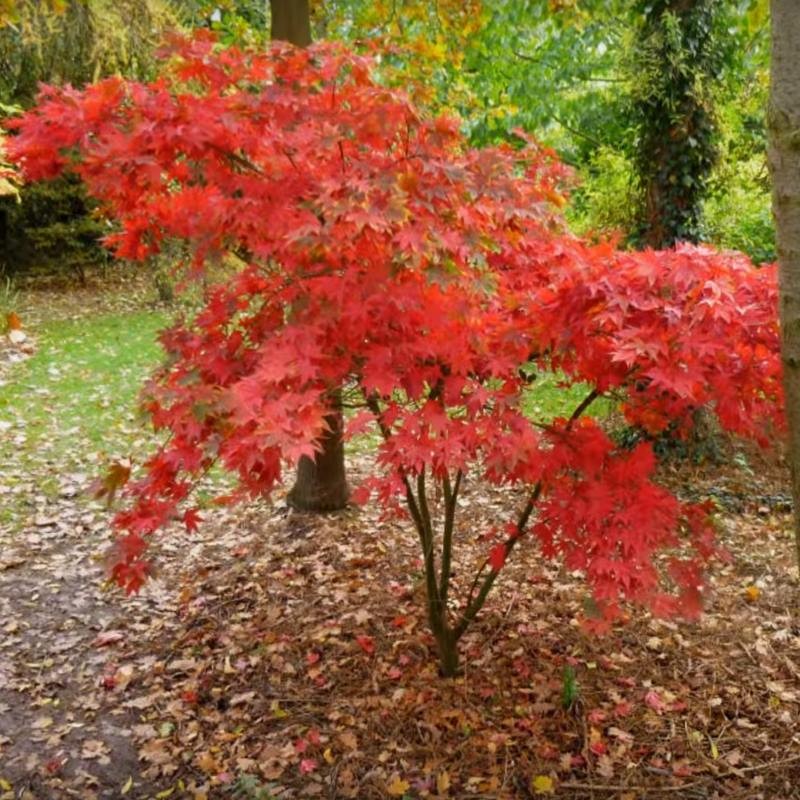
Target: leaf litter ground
(282, 655)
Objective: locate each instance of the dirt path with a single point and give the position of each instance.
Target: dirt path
(61, 638)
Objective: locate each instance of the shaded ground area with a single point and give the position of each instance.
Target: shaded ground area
(285, 656)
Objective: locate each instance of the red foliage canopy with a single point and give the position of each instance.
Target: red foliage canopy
(434, 282)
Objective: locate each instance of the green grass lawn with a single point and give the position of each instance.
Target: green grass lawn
(72, 406)
(548, 398)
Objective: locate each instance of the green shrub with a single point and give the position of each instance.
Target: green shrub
(603, 204)
(738, 213)
(54, 228)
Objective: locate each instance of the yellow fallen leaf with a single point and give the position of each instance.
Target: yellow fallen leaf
(5, 785)
(714, 750)
(752, 593)
(397, 787)
(165, 793)
(277, 711)
(443, 782)
(127, 786)
(543, 784)
(328, 755)
(206, 763)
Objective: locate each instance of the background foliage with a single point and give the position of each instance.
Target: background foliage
(569, 71)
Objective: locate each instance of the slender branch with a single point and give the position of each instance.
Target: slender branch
(475, 581)
(425, 513)
(475, 603)
(584, 404)
(436, 609)
(450, 501)
(291, 160)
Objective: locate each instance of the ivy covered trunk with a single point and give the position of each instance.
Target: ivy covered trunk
(784, 155)
(321, 483)
(675, 66)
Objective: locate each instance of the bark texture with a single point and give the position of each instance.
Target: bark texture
(291, 22)
(321, 483)
(784, 156)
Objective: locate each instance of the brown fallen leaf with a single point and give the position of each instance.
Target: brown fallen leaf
(107, 638)
(94, 748)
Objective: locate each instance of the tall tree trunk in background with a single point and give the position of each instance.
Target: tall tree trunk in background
(674, 68)
(784, 155)
(291, 22)
(320, 483)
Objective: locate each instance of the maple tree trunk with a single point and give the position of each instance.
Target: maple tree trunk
(291, 22)
(784, 156)
(321, 483)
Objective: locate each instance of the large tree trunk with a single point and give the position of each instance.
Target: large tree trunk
(784, 156)
(291, 22)
(320, 483)
(674, 115)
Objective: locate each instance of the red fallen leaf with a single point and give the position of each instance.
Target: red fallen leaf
(190, 696)
(366, 643)
(55, 764)
(107, 638)
(300, 746)
(596, 716)
(395, 673)
(312, 737)
(622, 709)
(108, 682)
(653, 700)
(598, 748)
(308, 765)
(399, 621)
(13, 322)
(313, 657)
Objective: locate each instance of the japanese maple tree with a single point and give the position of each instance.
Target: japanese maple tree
(433, 282)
